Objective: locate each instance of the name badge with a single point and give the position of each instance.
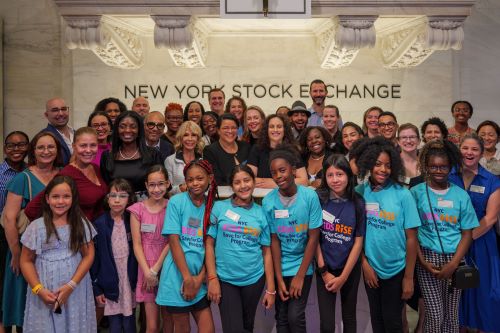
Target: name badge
(328, 217)
(406, 180)
(146, 227)
(281, 214)
(477, 189)
(232, 215)
(372, 207)
(445, 203)
(194, 222)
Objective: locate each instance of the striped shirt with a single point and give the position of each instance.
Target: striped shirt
(6, 174)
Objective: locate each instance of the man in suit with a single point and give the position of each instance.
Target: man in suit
(154, 125)
(57, 114)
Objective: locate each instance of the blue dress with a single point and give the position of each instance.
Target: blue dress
(14, 286)
(55, 265)
(479, 307)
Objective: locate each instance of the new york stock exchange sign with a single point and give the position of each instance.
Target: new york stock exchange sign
(282, 90)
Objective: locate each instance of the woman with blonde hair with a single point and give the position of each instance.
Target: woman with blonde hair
(188, 147)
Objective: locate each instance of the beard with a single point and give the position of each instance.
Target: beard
(319, 100)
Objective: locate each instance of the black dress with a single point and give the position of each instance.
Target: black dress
(224, 162)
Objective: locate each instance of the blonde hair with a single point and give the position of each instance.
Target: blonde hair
(189, 125)
(246, 133)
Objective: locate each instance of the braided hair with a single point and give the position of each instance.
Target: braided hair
(212, 190)
(441, 148)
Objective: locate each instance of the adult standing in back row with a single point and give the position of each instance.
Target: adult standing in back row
(57, 113)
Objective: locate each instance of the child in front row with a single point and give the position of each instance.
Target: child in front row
(114, 272)
(294, 216)
(150, 246)
(182, 288)
(56, 256)
(340, 244)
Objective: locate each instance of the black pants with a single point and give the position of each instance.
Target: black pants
(348, 296)
(386, 305)
(238, 306)
(291, 315)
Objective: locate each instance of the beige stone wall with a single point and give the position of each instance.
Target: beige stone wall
(36, 67)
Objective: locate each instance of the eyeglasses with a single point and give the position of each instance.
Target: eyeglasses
(99, 125)
(13, 146)
(408, 138)
(160, 185)
(61, 109)
(43, 148)
(114, 195)
(442, 168)
(151, 125)
(390, 124)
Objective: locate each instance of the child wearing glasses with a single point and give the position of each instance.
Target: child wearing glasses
(150, 247)
(114, 271)
(56, 256)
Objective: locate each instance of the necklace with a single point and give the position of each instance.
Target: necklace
(317, 158)
(128, 157)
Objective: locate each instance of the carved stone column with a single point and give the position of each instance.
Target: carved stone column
(84, 32)
(445, 32)
(186, 43)
(116, 46)
(339, 44)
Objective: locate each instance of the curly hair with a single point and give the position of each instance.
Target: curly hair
(303, 139)
(101, 105)
(369, 149)
(436, 122)
(441, 148)
(264, 142)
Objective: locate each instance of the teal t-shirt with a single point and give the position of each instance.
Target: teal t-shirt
(183, 218)
(453, 213)
(239, 233)
(291, 224)
(388, 213)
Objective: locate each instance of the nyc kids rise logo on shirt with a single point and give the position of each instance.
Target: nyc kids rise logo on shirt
(334, 231)
(193, 234)
(379, 218)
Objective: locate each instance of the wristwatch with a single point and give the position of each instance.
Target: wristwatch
(321, 270)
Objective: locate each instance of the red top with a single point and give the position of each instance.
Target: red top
(91, 195)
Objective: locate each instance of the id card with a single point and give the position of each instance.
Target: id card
(445, 203)
(328, 217)
(477, 189)
(146, 227)
(232, 215)
(372, 207)
(281, 214)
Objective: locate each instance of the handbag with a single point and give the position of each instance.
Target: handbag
(22, 220)
(465, 276)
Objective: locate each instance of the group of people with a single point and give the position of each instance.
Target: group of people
(125, 213)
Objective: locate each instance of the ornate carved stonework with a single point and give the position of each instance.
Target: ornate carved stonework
(193, 56)
(84, 32)
(339, 44)
(406, 47)
(445, 33)
(172, 31)
(124, 50)
(114, 45)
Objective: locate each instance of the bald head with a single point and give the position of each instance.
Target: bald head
(141, 106)
(57, 112)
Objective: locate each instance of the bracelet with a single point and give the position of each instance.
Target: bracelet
(72, 284)
(36, 289)
(213, 277)
(270, 292)
(153, 272)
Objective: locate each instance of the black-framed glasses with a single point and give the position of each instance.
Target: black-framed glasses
(151, 125)
(19, 145)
